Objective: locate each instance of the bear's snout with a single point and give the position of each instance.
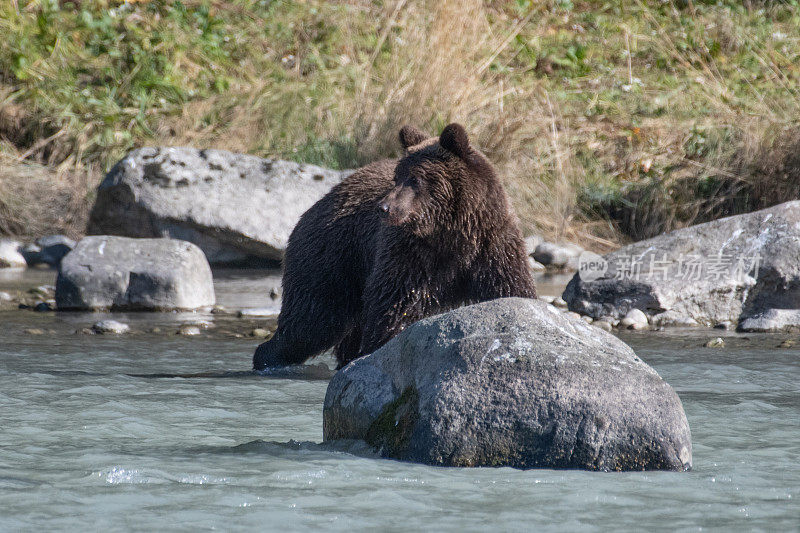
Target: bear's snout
(390, 214)
(396, 207)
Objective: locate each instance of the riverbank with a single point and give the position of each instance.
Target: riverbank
(608, 122)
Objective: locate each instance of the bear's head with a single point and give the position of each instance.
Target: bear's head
(438, 181)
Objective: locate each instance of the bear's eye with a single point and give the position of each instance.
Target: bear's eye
(412, 181)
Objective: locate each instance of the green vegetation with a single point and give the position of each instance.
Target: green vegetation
(392, 430)
(609, 120)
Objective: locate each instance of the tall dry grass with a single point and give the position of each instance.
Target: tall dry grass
(38, 200)
(445, 65)
(433, 63)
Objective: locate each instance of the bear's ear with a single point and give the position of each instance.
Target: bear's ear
(410, 136)
(454, 138)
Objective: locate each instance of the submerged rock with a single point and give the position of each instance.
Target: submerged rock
(258, 312)
(510, 382)
(260, 333)
(741, 271)
(10, 256)
(43, 307)
(118, 273)
(110, 326)
(189, 330)
(235, 207)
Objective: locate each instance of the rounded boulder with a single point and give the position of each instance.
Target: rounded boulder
(510, 382)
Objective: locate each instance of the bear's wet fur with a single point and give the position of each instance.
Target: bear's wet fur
(393, 243)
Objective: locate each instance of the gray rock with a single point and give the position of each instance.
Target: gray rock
(43, 307)
(558, 256)
(260, 333)
(110, 326)
(672, 319)
(715, 343)
(510, 382)
(531, 242)
(201, 323)
(551, 254)
(49, 250)
(603, 324)
(258, 312)
(573, 264)
(118, 273)
(235, 207)
(5, 297)
(741, 271)
(772, 321)
(31, 253)
(535, 265)
(634, 319)
(10, 256)
(188, 330)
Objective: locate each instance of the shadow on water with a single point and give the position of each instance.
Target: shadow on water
(291, 450)
(295, 449)
(318, 372)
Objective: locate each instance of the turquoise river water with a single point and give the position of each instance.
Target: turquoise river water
(162, 432)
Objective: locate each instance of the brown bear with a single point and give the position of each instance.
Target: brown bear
(393, 243)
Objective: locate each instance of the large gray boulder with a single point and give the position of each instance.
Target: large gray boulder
(235, 207)
(119, 273)
(510, 382)
(741, 271)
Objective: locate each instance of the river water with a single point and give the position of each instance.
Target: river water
(153, 431)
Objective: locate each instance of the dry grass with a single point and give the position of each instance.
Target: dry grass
(439, 72)
(37, 200)
(429, 66)
(750, 141)
(549, 90)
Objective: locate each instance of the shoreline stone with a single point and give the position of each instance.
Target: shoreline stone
(119, 273)
(10, 255)
(48, 250)
(110, 326)
(237, 208)
(737, 272)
